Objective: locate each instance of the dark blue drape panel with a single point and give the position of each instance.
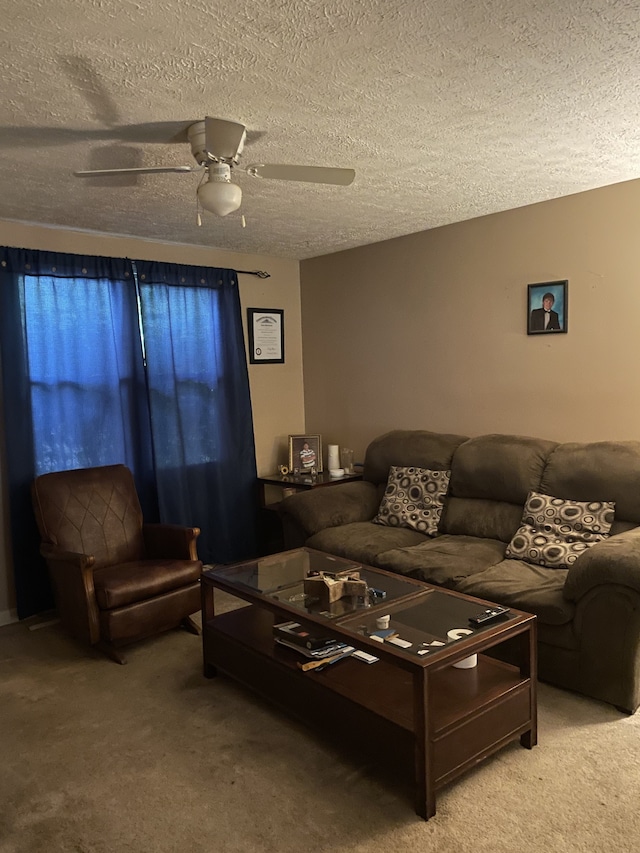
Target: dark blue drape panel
(74, 386)
(200, 405)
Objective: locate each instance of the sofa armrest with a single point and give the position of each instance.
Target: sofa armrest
(614, 561)
(173, 541)
(330, 506)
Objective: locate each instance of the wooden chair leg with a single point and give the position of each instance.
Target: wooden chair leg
(112, 652)
(190, 625)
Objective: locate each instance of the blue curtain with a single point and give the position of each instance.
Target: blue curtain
(200, 405)
(77, 393)
(74, 387)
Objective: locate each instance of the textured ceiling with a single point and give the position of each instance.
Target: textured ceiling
(447, 109)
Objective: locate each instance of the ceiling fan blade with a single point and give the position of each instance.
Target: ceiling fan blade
(147, 170)
(224, 139)
(312, 174)
(115, 155)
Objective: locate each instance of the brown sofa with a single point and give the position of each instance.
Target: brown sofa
(588, 615)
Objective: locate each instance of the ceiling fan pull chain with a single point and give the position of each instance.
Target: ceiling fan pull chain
(198, 208)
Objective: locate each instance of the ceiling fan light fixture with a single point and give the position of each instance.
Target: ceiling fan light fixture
(218, 195)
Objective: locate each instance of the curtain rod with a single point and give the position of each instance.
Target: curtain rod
(259, 273)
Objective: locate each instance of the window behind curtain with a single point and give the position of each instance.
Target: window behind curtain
(85, 369)
(183, 334)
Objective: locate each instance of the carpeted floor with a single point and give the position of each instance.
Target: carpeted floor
(151, 757)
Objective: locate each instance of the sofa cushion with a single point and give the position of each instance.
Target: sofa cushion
(363, 540)
(414, 498)
(480, 518)
(555, 532)
(499, 467)
(117, 586)
(417, 447)
(600, 470)
(445, 560)
(534, 589)
(491, 476)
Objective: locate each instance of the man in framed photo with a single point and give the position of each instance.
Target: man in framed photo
(307, 457)
(545, 319)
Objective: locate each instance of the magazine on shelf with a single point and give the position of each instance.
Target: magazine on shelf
(313, 654)
(294, 632)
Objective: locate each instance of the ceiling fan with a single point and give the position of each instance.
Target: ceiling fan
(216, 145)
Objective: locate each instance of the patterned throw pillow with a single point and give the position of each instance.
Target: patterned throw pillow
(414, 497)
(554, 532)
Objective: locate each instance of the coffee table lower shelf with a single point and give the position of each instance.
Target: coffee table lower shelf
(458, 719)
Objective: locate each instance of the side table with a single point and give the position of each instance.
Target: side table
(270, 537)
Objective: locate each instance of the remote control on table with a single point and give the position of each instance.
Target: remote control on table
(488, 615)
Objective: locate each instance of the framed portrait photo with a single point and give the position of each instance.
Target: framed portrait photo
(305, 454)
(547, 308)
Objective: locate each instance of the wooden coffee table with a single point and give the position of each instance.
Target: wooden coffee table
(454, 717)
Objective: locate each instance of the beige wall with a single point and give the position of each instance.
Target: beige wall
(276, 389)
(429, 331)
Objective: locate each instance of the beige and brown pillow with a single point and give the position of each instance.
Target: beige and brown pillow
(554, 532)
(414, 498)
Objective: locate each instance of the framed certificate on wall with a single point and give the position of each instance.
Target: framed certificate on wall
(266, 335)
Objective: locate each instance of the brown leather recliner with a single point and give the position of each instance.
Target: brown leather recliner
(115, 579)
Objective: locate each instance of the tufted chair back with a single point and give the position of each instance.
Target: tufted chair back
(91, 511)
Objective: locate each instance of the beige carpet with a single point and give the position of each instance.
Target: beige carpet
(151, 756)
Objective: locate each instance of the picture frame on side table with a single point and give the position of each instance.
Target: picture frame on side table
(266, 335)
(547, 307)
(305, 454)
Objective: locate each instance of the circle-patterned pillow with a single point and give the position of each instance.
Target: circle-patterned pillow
(414, 498)
(554, 532)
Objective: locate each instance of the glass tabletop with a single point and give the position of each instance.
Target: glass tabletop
(426, 622)
(285, 577)
(277, 571)
(380, 589)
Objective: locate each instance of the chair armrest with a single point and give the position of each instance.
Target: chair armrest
(72, 558)
(330, 506)
(173, 541)
(614, 561)
(72, 579)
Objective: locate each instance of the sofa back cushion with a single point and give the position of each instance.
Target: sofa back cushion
(417, 448)
(491, 476)
(597, 471)
(480, 518)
